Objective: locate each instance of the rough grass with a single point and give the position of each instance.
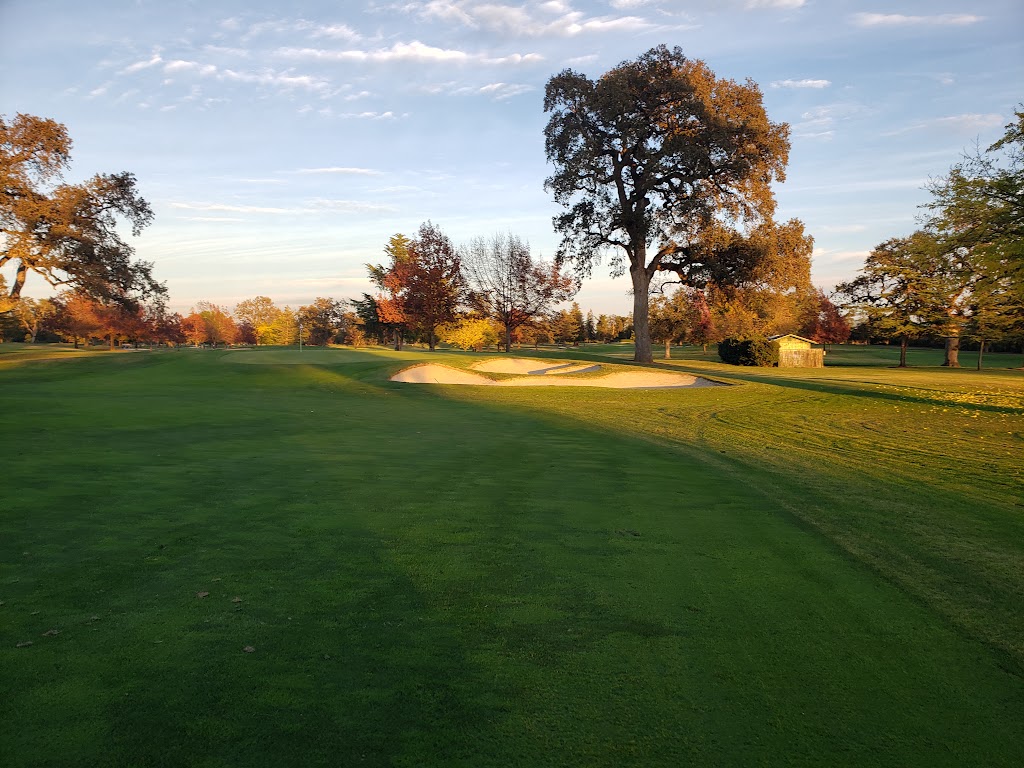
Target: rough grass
(811, 567)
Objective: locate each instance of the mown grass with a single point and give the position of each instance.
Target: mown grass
(810, 567)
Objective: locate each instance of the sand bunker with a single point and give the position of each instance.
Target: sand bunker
(645, 379)
(532, 367)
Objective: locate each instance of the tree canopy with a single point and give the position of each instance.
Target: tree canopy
(67, 233)
(651, 155)
(962, 272)
(510, 285)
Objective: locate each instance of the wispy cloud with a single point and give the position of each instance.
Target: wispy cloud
(350, 206)
(340, 171)
(316, 205)
(227, 208)
(497, 91)
(900, 20)
(337, 32)
(551, 19)
(801, 83)
(842, 229)
(267, 77)
(501, 91)
(779, 4)
(414, 51)
(964, 124)
(152, 61)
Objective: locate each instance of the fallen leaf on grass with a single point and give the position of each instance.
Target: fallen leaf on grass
(236, 599)
(201, 595)
(249, 649)
(24, 644)
(51, 633)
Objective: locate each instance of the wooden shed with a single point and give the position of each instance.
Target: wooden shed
(798, 352)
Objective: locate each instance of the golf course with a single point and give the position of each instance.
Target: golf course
(274, 557)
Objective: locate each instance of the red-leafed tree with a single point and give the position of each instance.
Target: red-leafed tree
(434, 283)
(512, 287)
(823, 322)
(77, 317)
(391, 281)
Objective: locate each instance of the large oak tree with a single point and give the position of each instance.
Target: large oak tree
(67, 233)
(649, 156)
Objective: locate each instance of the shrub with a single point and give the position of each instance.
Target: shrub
(760, 352)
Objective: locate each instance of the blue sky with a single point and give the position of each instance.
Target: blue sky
(282, 144)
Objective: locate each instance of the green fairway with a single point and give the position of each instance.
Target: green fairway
(272, 558)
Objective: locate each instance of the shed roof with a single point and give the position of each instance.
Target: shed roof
(778, 336)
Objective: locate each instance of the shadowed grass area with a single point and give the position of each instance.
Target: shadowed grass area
(764, 573)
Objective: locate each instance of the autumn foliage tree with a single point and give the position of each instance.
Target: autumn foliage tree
(67, 234)
(510, 285)
(209, 324)
(258, 314)
(650, 155)
(823, 322)
(322, 321)
(391, 281)
(434, 283)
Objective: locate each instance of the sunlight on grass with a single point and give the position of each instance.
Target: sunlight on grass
(301, 562)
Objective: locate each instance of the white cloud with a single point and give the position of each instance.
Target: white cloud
(337, 32)
(899, 20)
(531, 21)
(152, 61)
(803, 133)
(501, 91)
(368, 115)
(210, 218)
(221, 50)
(781, 4)
(964, 124)
(414, 51)
(351, 206)
(286, 80)
(801, 83)
(842, 229)
(235, 208)
(622, 5)
(341, 171)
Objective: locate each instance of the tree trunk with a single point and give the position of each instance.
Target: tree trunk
(641, 325)
(903, 352)
(508, 339)
(668, 349)
(433, 339)
(398, 339)
(952, 352)
(19, 281)
(981, 353)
